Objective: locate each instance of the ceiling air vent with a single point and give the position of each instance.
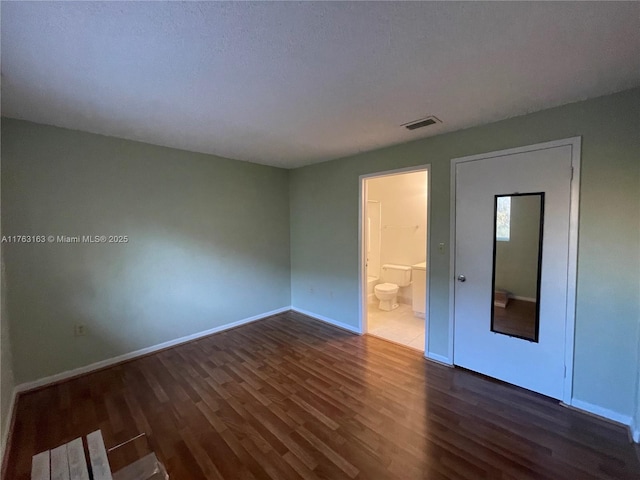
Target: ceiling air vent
(424, 122)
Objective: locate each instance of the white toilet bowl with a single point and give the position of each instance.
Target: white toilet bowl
(387, 293)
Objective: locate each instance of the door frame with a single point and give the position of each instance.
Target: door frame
(572, 270)
(362, 273)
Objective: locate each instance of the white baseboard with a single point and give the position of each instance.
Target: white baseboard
(7, 427)
(24, 387)
(598, 411)
(438, 358)
(330, 321)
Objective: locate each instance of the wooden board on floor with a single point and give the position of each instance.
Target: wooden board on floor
(98, 456)
(40, 466)
(77, 460)
(59, 463)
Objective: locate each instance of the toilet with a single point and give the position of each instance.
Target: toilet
(394, 277)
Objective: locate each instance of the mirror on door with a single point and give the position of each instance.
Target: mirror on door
(517, 260)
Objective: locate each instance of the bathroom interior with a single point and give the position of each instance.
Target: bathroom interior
(395, 244)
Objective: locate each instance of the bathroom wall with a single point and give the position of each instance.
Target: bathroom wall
(207, 244)
(373, 237)
(403, 205)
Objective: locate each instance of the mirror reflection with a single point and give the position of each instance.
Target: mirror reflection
(517, 259)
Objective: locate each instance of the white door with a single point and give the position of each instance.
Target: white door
(535, 365)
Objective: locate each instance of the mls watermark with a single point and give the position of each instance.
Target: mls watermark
(65, 239)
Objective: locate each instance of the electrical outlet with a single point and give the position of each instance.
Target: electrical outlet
(79, 330)
(441, 248)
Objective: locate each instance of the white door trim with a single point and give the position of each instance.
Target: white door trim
(572, 270)
(362, 274)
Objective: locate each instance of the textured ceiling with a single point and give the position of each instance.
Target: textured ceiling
(290, 84)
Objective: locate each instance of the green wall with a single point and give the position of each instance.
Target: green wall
(324, 233)
(208, 244)
(7, 383)
(635, 428)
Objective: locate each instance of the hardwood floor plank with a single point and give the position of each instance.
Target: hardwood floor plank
(337, 459)
(293, 398)
(204, 461)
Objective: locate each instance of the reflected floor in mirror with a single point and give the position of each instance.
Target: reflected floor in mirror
(398, 326)
(517, 318)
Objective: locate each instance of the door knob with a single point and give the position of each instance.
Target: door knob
(462, 278)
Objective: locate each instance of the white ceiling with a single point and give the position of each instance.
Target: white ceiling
(290, 84)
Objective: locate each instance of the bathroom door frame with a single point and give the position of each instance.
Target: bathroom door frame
(362, 254)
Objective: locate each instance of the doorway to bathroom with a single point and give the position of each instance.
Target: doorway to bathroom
(394, 270)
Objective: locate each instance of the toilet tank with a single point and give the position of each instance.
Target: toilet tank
(398, 274)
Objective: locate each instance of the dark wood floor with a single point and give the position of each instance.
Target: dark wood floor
(290, 397)
(517, 318)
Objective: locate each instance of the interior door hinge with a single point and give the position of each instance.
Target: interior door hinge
(571, 173)
(565, 367)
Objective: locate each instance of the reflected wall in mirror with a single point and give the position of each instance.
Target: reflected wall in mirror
(517, 261)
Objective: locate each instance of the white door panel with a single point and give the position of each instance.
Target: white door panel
(538, 366)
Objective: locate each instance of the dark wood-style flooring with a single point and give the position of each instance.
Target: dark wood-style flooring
(517, 318)
(290, 397)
